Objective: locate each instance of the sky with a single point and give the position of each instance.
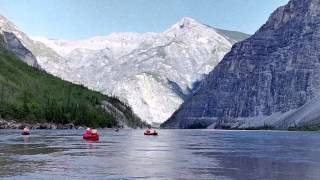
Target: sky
(81, 19)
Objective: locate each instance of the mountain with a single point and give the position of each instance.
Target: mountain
(32, 52)
(11, 42)
(268, 80)
(28, 94)
(153, 72)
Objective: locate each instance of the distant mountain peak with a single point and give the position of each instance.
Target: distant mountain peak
(6, 25)
(186, 22)
(2, 18)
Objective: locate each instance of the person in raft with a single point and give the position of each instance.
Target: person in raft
(26, 131)
(87, 134)
(94, 135)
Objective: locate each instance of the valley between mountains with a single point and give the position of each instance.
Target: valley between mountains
(154, 73)
(195, 76)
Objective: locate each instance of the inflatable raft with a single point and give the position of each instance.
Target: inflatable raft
(91, 135)
(149, 133)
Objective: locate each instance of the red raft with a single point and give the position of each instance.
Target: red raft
(89, 135)
(150, 133)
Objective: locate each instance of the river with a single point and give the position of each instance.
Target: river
(174, 154)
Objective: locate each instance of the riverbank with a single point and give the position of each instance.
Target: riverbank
(12, 124)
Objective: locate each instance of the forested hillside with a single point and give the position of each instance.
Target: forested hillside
(31, 95)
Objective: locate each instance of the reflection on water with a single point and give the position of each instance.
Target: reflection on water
(175, 154)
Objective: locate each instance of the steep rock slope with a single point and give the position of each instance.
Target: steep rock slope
(265, 79)
(153, 72)
(32, 52)
(11, 42)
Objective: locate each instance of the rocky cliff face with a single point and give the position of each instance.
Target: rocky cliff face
(152, 72)
(265, 79)
(32, 52)
(11, 42)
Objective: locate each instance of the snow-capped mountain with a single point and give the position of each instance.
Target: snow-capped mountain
(10, 39)
(153, 72)
(32, 52)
